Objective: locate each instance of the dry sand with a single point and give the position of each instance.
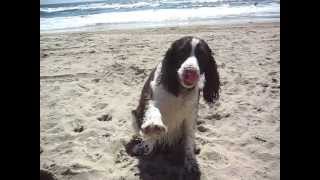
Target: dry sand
(90, 81)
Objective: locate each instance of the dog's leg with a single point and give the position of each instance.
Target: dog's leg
(152, 125)
(151, 128)
(190, 161)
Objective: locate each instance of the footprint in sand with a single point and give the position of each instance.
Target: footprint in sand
(96, 80)
(216, 159)
(44, 55)
(78, 129)
(200, 121)
(202, 128)
(105, 117)
(100, 106)
(76, 125)
(217, 116)
(137, 70)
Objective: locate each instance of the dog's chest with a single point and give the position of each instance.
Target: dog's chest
(175, 109)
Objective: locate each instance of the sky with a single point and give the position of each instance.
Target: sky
(63, 1)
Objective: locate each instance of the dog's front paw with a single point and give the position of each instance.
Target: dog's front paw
(142, 148)
(152, 125)
(191, 165)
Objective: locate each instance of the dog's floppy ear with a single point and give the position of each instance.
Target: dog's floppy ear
(178, 52)
(212, 80)
(169, 76)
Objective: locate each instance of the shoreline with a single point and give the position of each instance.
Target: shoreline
(200, 24)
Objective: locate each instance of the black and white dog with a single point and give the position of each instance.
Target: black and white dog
(168, 105)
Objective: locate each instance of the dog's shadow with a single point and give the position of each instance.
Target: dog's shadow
(164, 163)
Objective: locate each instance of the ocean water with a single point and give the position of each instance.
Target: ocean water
(113, 14)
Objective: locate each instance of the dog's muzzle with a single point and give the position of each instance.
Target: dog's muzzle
(190, 77)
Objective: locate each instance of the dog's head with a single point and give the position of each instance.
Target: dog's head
(189, 63)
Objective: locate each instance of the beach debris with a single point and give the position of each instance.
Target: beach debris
(200, 121)
(92, 51)
(41, 150)
(222, 65)
(44, 55)
(274, 80)
(218, 116)
(272, 73)
(105, 117)
(106, 135)
(78, 129)
(138, 70)
(263, 84)
(96, 80)
(214, 116)
(259, 139)
(245, 82)
(259, 109)
(202, 128)
(83, 87)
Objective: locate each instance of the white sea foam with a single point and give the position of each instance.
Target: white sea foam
(96, 6)
(158, 16)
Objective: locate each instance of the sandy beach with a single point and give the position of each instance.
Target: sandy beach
(90, 82)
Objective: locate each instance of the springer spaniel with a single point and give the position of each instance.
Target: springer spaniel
(168, 105)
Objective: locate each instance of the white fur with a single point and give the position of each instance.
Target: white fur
(152, 118)
(202, 80)
(194, 43)
(191, 62)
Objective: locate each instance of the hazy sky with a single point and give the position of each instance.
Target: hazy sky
(63, 1)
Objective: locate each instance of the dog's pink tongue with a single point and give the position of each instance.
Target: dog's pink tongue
(189, 77)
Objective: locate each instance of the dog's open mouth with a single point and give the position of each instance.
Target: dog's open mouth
(190, 77)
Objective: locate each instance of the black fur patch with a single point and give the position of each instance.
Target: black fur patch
(145, 96)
